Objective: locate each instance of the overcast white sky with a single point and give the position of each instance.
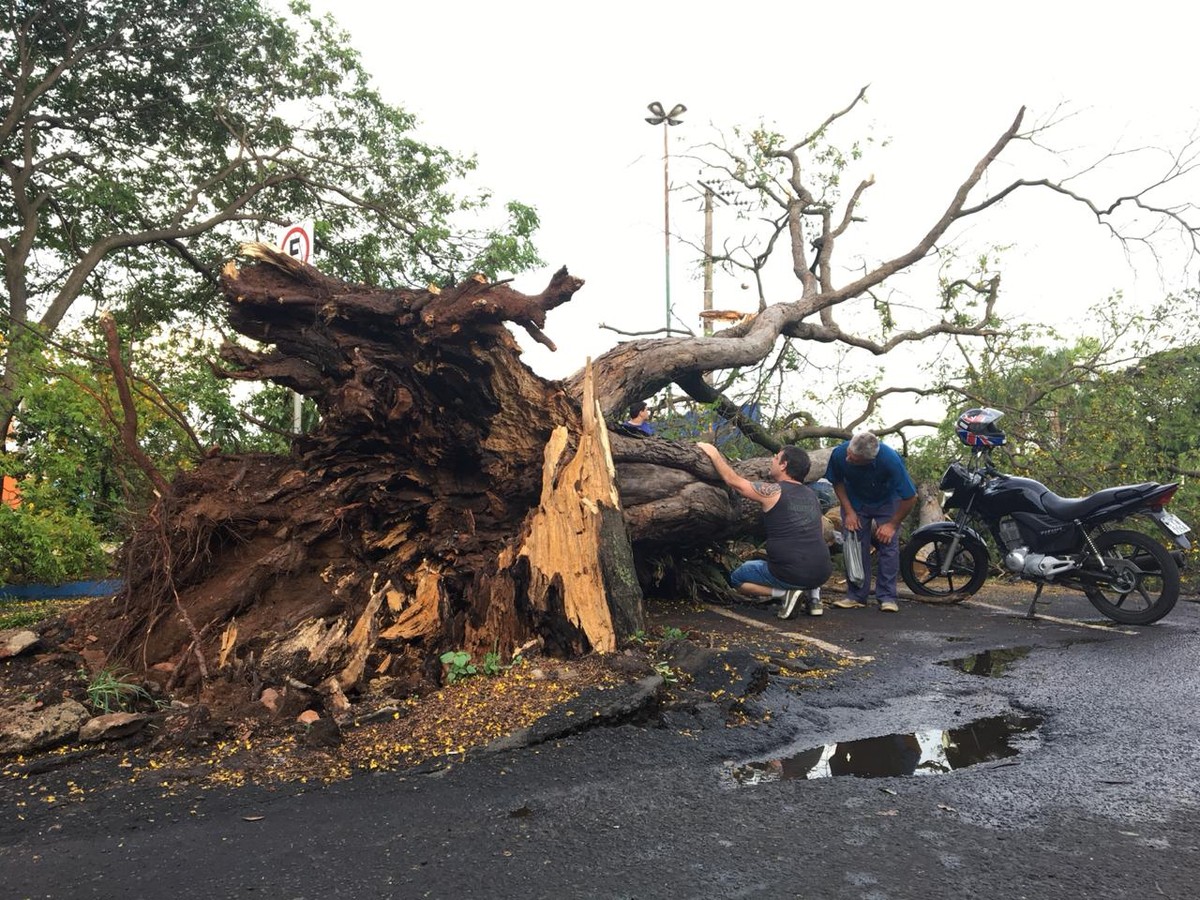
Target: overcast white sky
(551, 96)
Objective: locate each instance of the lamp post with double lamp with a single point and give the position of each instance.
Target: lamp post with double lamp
(666, 119)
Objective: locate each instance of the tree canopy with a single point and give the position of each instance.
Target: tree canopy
(140, 141)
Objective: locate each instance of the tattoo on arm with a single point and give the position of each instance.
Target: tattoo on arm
(766, 488)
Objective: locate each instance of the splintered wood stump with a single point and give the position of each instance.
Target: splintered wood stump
(449, 499)
(576, 545)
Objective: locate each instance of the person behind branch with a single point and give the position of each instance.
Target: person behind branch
(639, 418)
(797, 562)
(876, 493)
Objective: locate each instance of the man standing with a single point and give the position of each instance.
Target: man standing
(797, 562)
(875, 493)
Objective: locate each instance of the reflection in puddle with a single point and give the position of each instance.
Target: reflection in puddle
(989, 662)
(923, 753)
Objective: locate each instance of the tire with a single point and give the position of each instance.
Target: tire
(921, 563)
(1145, 585)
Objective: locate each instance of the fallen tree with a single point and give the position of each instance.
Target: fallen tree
(450, 498)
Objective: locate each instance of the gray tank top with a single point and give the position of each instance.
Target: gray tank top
(796, 551)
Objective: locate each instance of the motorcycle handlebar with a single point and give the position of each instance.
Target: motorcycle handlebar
(985, 454)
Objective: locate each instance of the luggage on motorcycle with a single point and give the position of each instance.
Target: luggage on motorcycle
(852, 554)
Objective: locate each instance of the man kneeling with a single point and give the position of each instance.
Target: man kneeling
(797, 562)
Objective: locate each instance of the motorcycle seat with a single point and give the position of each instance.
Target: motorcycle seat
(1081, 507)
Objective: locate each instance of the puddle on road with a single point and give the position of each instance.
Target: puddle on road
(989, 663)
(921, 753)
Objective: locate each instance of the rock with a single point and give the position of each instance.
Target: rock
(323, 733)
(16, 641)
(112, 726)
(308, 717)
(271, 699)
(27, 728)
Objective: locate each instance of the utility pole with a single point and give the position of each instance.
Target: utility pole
(708, 262)
(665, 119)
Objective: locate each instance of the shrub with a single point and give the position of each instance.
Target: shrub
(47, 546)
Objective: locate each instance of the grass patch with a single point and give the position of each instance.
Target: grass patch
(109, 691)
(27, 613)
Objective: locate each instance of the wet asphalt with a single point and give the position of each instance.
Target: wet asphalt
(1101, 800)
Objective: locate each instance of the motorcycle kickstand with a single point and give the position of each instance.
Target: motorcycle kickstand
(1033, 605)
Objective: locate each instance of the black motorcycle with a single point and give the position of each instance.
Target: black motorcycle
(1128, 575)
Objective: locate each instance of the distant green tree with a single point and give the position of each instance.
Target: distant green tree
(68, 457)
(1120, 406)
(141, 140)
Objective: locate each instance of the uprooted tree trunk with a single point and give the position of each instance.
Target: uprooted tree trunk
(449, 498)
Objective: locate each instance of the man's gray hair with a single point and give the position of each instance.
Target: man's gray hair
(864, 445)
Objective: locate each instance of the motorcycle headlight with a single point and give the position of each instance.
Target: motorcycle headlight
(956, 476)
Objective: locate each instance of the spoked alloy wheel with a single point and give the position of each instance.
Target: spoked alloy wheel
(1140, 582)
(921, 564)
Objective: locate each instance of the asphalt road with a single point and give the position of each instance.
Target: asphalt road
(1101, 800)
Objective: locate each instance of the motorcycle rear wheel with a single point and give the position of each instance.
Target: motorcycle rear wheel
(1142, 583)
(921, 567)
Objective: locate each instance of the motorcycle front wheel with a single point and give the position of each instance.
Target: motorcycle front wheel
(1139, 582)
(921, 565)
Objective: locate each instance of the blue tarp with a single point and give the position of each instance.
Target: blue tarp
(704, 425)
(102, 588)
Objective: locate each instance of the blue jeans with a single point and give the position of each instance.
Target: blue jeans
(755, 571)
(887, 556)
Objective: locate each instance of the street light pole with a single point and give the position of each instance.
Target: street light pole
(666, 119)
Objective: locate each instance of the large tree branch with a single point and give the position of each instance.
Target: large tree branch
(953, 212)
(639, 369)
(128, 426)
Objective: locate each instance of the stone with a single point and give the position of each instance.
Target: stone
(271, 699)
(308, 717)
(26, 728)
(323, 733)
(14, 642)
(111, 726)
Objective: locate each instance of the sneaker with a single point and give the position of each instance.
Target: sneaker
(788, 606)
(848, 603)
(814, 603)
(889, 606)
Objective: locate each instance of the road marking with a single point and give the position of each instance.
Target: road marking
(1109, 629)
(816, 642)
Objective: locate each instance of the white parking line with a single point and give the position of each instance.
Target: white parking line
(767, 626)
(1055, 619)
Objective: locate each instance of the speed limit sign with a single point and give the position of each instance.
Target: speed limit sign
(297, 241)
